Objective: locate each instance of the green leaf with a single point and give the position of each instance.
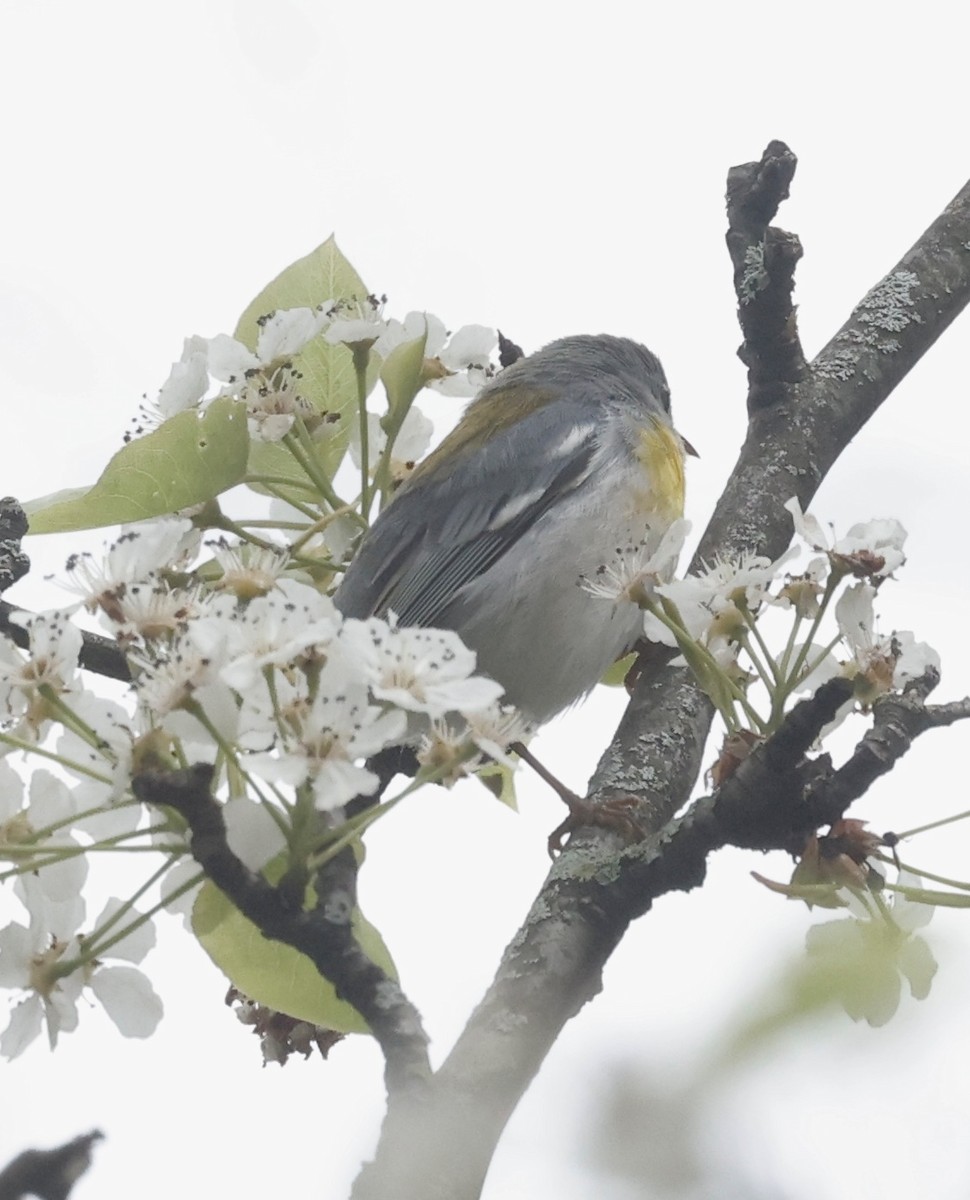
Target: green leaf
(189, 459)
(274, 974)
(402, 375)
(616, 674)
(328, 381)
(500, 781)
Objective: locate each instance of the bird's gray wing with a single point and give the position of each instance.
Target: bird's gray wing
(443, 532)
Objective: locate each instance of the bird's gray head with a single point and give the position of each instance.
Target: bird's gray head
(607, 364)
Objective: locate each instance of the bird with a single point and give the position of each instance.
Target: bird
(565, 460)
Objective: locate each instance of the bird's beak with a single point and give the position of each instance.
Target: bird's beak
(688, 448)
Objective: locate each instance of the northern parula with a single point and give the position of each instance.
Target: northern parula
(567, 458)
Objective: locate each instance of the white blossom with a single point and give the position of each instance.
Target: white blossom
(908, 914)
(292, 624)
(265, 710)
(51, 662)
(876, 540)
(637, 571)
(188, 380)
(884, 662)
(266, 379)
(708, 602)
(129, 999)
(135, 944)
(355, 322)
(415, 325)
(116, 731)
(252, 834)
(183, 872)
(913, 658)
(423, 670)
(871, 549)
(56, 918)
(467, 356)
(495, 728)
(137, 556)
(326, 736)
(458, 746)
(28, 962)
(463, 358)
(807, 527)
(282, 335)
(865, 957)
(249, 571)
(819, 667)
(215, 707)
(144, 612)
(410, 445)
(171, 683)
(49, 807)
(34, 960)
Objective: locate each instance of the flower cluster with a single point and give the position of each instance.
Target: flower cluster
(269, 378)
(713, 618)
(237, 656)
(860, 960)
(237, 661)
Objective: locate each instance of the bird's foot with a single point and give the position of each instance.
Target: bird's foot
(618, 815)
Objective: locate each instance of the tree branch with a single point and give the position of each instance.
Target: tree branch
(14, 564)
(897, 721)
(98, 654)
(790, 447)
(49, 1174)
(764, 259)
(777, 798)
(800, 421)
(323, 933)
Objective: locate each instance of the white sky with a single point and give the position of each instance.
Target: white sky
(551, 170)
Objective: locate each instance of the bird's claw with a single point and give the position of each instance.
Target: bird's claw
(618, 815)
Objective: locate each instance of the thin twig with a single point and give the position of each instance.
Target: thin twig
(324, 933)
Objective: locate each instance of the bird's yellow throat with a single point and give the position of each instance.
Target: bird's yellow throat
(661, 454)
